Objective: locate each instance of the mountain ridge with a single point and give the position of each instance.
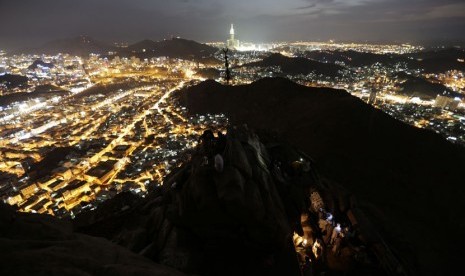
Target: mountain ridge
(173, 48)
(298, 65)
(80, 46)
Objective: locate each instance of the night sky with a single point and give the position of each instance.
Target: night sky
(32, 22)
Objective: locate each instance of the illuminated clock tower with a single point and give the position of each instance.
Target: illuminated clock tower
(231, 33)
(232, 43)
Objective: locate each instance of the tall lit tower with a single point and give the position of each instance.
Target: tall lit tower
(232, 43)
(373, 94)
(231, 33)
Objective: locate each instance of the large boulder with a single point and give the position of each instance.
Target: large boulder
(36, 244)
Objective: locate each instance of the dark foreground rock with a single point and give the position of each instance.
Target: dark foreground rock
(42, 245)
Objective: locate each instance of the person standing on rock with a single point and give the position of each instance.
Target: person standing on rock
(207, 141)
(307, 269)
(220, 143)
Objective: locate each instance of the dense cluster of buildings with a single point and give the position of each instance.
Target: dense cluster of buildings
(71, 152)
(359, 47)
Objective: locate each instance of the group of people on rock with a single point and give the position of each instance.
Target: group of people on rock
(213, 149)
(327, 235)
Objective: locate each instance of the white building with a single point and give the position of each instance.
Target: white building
(232, 42)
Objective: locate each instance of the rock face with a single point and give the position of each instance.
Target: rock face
(407, 180)
(209, 220)
(42, 245)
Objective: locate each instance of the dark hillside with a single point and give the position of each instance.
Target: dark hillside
(299, 65)
(173, 48)
(420, 87)
(410, 179)
(79, 46)
(11, 81)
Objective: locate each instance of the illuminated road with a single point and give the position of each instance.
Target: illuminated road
(141, 117)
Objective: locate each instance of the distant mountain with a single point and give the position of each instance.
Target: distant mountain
(11, 81)
(41, 63)
(447, 53)
(174, 48)
(403, 176)
(49, 88)
(79, 46)
(419, 87)
(354, 58)
(438, 61)
(141, 46)
(41, 91)
(298, 65)
(432, 61)
(209, 73)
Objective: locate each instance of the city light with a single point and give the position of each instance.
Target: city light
(126, 131)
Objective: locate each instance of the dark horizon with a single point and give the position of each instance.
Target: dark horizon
(32, 23)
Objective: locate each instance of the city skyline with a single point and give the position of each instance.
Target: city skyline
(30, 23)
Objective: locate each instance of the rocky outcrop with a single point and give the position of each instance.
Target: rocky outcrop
(11, 81)
(209, 221)
(40, 63)
(42, 245)
(408, 180)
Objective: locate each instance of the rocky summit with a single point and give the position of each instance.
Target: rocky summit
(241, 205)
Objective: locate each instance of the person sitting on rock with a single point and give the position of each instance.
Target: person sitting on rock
(219, 162)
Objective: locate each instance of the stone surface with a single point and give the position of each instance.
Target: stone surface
(42, 245)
